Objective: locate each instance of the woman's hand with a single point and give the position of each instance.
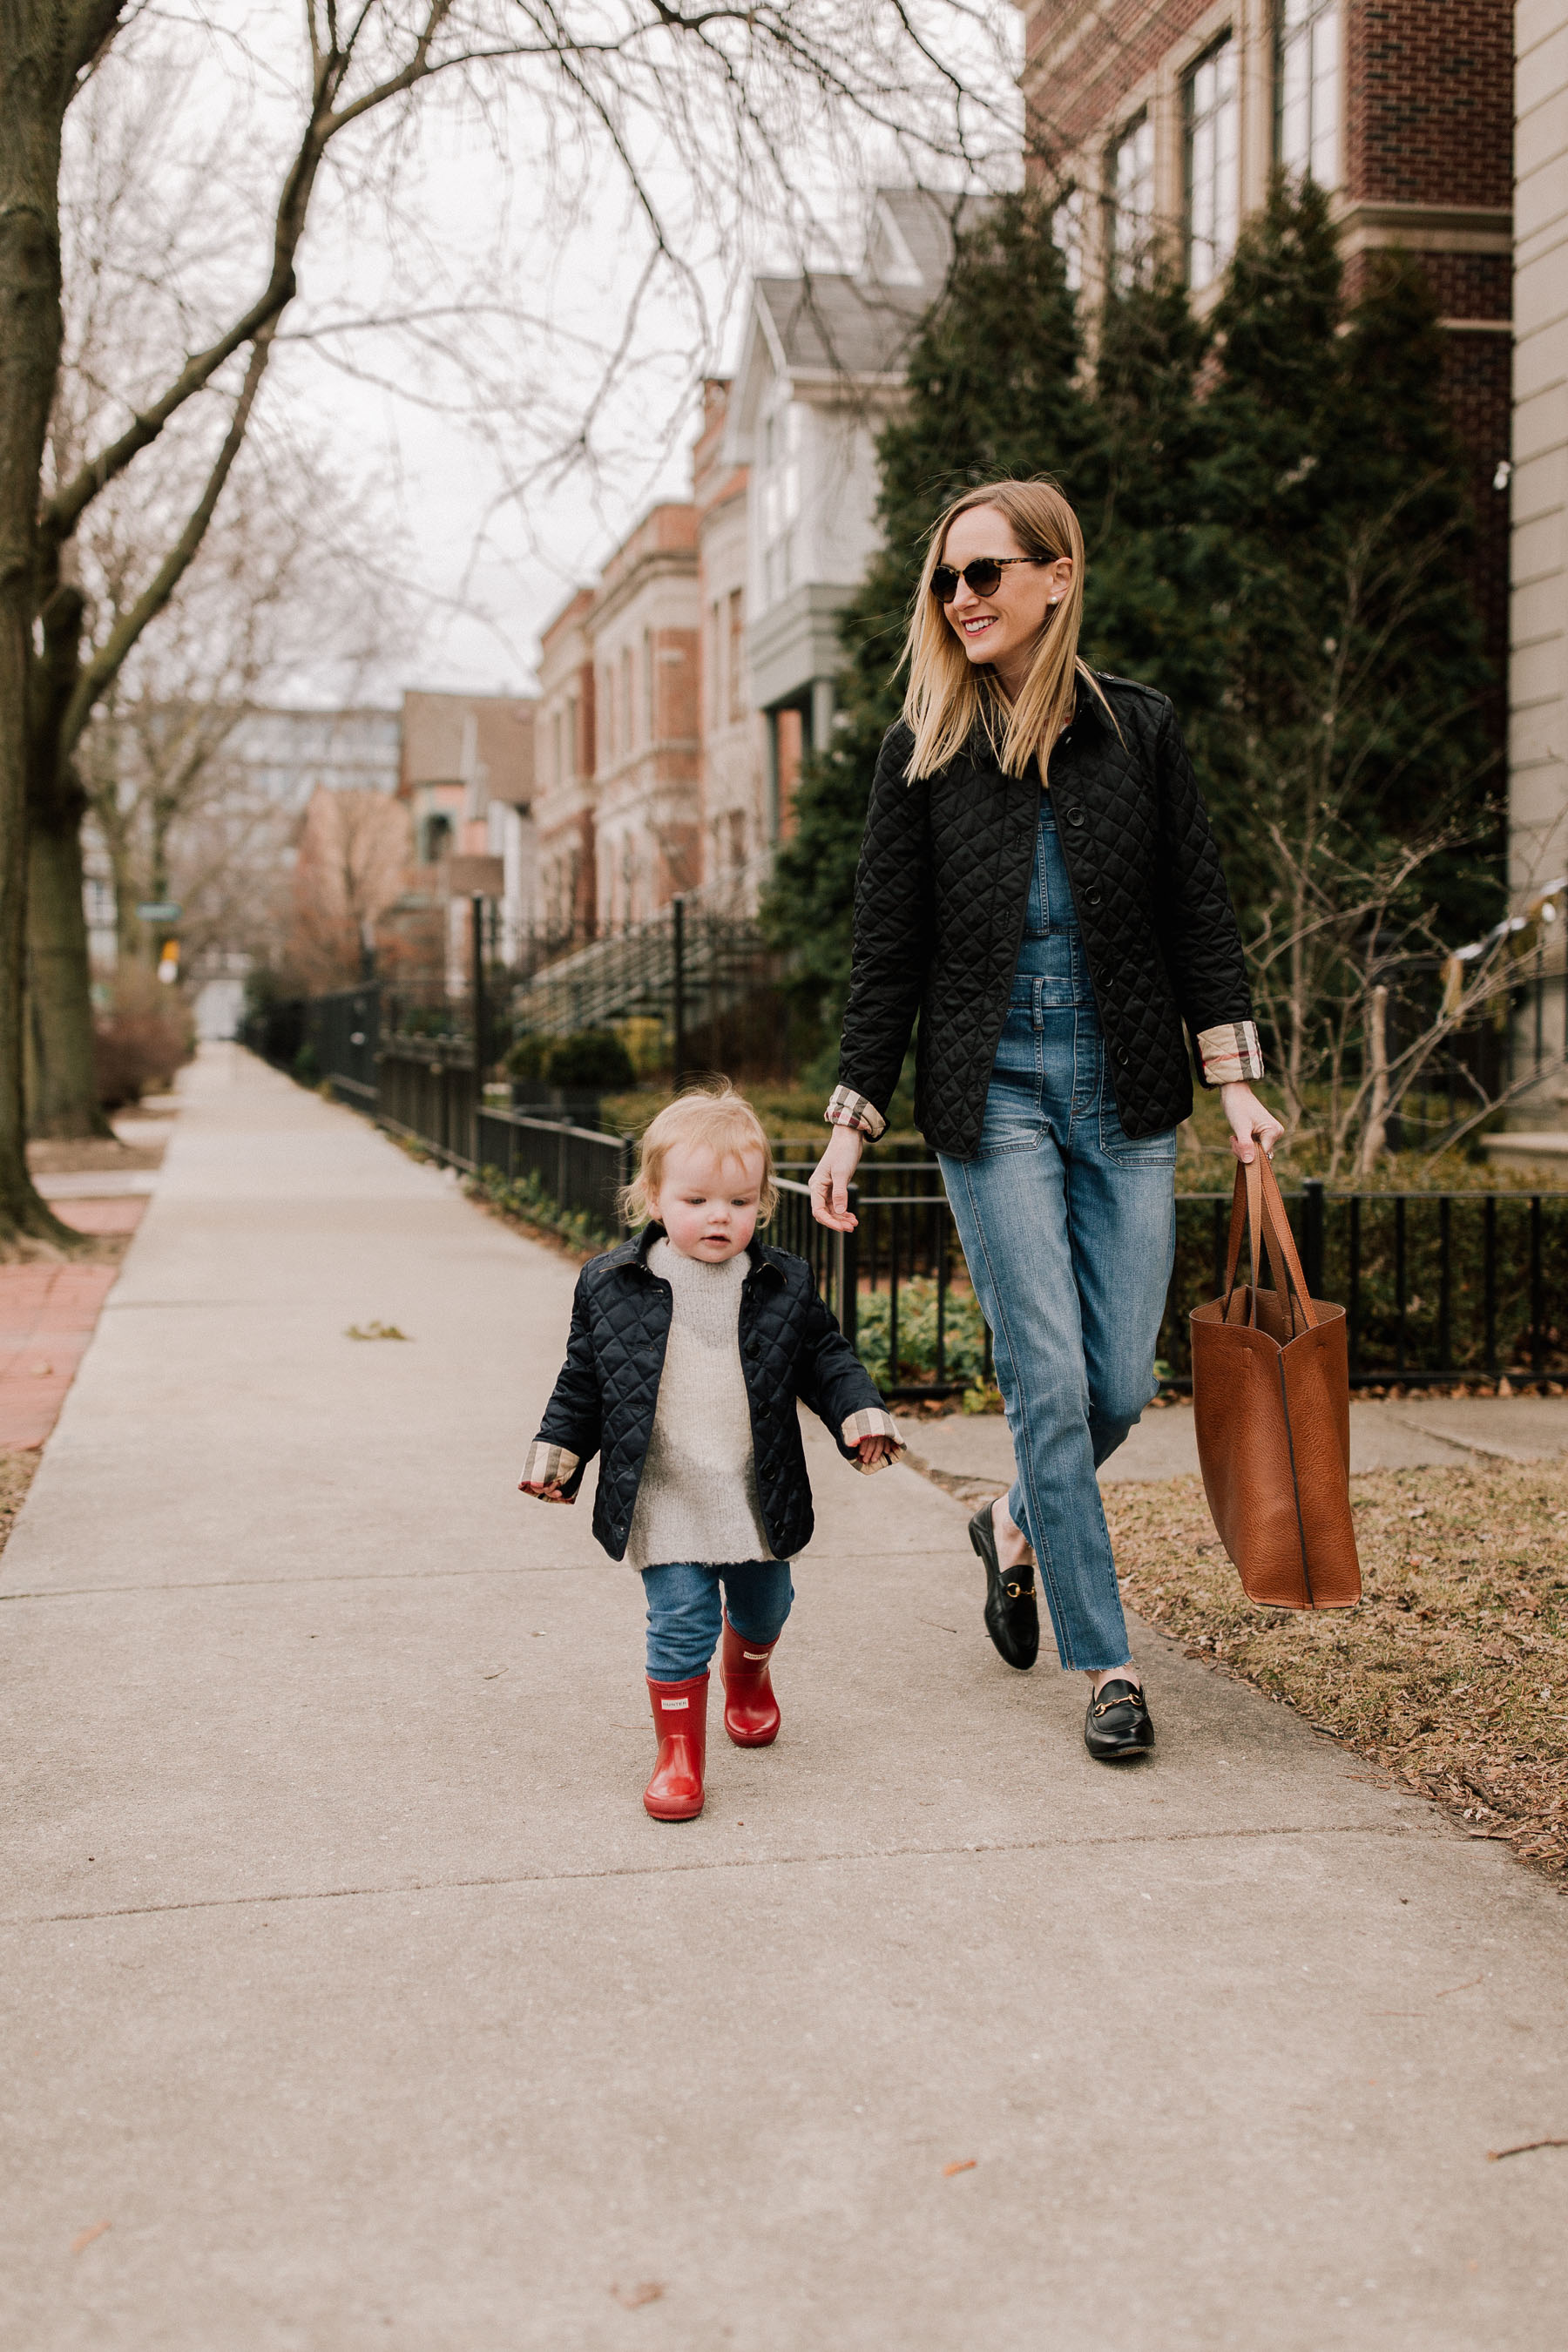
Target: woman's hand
(550, 1494)
(1250, 1118)
(874, 1451)
(831, 1179)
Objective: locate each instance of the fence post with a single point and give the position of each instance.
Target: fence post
(678, 913)
(481, 1021)
(628, 1170)
(1312, 1235)
(849, 1274)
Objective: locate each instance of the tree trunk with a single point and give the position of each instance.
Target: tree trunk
(1374, 1134)
(64, 1076)
(33, 96)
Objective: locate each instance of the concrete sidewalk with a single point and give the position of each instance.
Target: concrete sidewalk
(349, 1985)
(1410, 1432)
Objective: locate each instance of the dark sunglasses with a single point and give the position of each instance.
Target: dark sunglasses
(983, 575)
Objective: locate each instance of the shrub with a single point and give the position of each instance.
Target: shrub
(144, 1039)
(529, 1054)
(594, 1058)
(964, 1351)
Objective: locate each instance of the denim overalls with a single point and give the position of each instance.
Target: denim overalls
(1068, 1229)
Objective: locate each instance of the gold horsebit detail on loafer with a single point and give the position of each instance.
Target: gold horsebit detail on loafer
(1104, 1706)
(1014, 1590)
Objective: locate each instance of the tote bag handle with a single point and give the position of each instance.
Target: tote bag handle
(1257, 1205)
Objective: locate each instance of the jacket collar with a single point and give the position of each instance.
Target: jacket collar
(980, 752)
(633, 1254)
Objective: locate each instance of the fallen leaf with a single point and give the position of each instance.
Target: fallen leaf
(374, 1331)
(1494, 2155)
(85, 2237)
(967, 2165)
(632, 2298)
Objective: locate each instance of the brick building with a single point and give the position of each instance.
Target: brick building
(1163, 121)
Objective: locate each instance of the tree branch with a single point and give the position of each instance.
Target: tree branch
(98, 674)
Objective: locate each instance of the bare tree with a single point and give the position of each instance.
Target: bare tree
(738, 99)
(1348, 906)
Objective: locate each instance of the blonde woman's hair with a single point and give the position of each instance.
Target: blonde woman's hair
(706, 1118)
(947, 693)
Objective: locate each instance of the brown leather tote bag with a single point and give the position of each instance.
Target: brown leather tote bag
(1271, 1402)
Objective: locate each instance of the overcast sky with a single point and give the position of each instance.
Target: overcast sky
(505, 245)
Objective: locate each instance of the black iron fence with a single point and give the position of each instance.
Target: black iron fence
(1437, 1287)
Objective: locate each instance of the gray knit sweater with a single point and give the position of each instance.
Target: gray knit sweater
(697, 1497)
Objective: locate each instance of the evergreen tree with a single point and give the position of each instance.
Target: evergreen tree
(1333, 538)
(1274, 514)
(992, 389)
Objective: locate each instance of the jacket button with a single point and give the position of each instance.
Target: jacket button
(1121, 1056)
(1075, 817)
(1094, 897)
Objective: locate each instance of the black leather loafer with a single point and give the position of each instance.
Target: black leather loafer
(1118, 1724)
(1012, 1613)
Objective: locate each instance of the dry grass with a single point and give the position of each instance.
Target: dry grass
(1452, 1675)
(16, 1471)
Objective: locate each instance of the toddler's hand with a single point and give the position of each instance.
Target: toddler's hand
(550, 1494)
(874, 1451)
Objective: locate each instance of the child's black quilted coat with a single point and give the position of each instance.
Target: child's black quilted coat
(941, 896)
(790, 1346)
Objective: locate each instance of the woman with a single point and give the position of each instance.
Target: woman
(1038, 883)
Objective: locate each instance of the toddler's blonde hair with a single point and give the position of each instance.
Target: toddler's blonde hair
(715, 1120)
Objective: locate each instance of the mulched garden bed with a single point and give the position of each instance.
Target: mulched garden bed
(1452, 1675)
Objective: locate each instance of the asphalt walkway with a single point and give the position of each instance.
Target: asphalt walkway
(352, 2000)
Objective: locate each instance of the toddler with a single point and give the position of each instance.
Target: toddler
(688, 1346)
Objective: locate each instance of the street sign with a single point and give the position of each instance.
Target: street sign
(159, 911)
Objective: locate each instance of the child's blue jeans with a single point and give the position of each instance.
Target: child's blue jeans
(685, 1613)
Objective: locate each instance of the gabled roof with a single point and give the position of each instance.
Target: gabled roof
(830, 321)
(859, 327)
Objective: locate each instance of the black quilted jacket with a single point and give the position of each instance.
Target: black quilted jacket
(941, 897)
(790, 1346)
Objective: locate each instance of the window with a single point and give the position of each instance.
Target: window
(1067, 235)
(1309, 86)
(780, 493)
(737, 663)
(625, 726)
(1212, 148)
(558, 733)
(1131, 177)
(571, 737)
(649, 690)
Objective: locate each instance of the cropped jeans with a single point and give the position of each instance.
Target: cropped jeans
(1068, 1229)
(685, 1612)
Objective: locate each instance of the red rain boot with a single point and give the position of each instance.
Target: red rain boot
(750, 1710)
(680, 1720)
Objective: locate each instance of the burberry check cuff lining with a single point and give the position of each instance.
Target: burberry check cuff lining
(872, 1422)
(1230, 1051)
(549, 1465)
(846, 1108)
(556, 1465)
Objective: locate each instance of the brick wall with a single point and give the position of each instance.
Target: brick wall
(1429, 84)
(1427, 115)
(1114, 46)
